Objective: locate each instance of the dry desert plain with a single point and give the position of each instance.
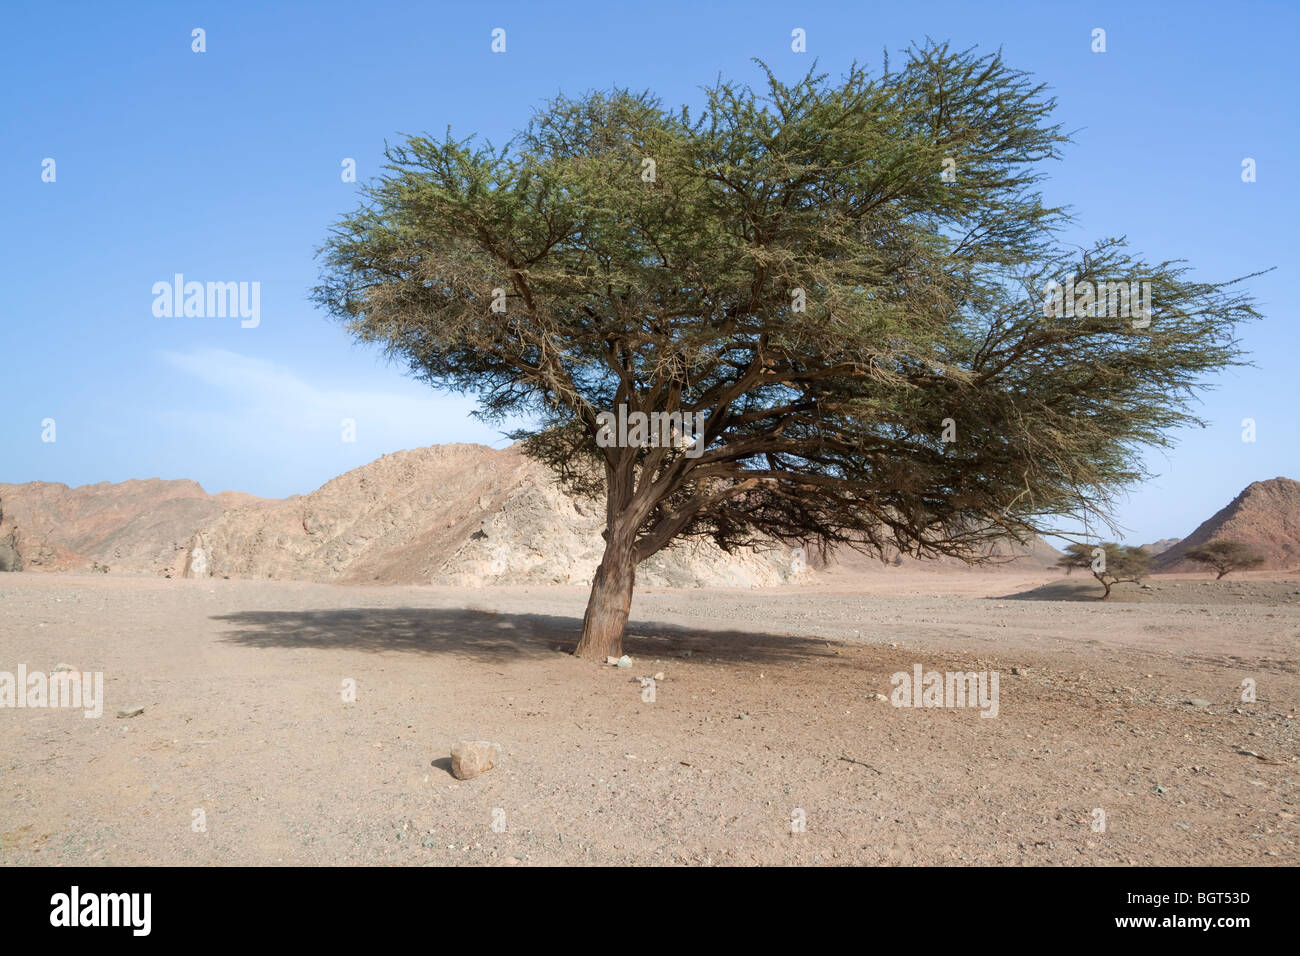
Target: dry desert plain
(767, 707)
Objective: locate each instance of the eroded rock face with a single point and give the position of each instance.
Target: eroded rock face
(540, 535)
(10, 559)
(459, 515)
(462, 515)
(131, 526)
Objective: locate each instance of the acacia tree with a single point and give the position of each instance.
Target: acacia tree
(1114, 564)
(1225, 556)
(845, 276)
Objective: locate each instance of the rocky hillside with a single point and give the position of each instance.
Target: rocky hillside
(131, 526)
(1161, 546)
(1266, 516)
(464, 515)
(448, 514)
(10, 558)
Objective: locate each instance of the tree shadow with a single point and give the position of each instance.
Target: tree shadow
(1077, 590)
(498, 637)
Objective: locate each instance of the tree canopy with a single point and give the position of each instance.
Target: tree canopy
(1225, 556)
(845, 278)
(1109, 563)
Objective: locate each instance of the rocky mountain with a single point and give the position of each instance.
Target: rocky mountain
(1266, 516)
(1161, 546)
(449, 514)
(130, 526)
(464, 515)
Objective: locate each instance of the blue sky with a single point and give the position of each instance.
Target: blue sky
(225, 166)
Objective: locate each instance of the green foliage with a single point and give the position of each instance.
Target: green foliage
(1225, 556)
(1117, 563)
(677, 292)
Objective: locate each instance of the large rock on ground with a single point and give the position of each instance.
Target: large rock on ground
(469, 758)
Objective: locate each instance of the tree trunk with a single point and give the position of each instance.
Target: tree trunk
(609, 604)
(1221, 574)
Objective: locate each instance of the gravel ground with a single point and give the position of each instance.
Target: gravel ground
(767, 715)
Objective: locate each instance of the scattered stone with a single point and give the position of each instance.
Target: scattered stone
(1019, 671)
(1259, 756)
(882, 697)
(1199, 702)
(611, 660)
(1159, 789)
(659, 675)
(742, 716)
(132, 712)
(623, 661)
(60, 668)
(469, 758)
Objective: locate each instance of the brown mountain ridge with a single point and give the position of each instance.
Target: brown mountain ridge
(1265, 516)
(457, 514)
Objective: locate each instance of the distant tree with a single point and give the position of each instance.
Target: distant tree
(844, 281)
(1225, 556)
(1113, 565)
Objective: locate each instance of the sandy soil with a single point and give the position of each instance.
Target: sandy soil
(768, 707)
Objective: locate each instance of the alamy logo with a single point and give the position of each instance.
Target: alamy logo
(1089, 300)
(951, 689)
(63, 688)
(208, 300)
(652, 430)
(103, 909)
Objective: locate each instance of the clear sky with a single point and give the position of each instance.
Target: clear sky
(226, 166)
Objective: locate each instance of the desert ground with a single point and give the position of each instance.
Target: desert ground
(767, 707)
